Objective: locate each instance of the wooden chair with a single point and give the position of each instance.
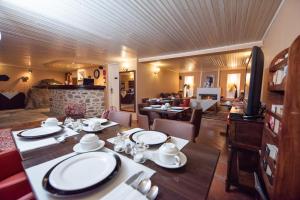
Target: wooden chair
(143, 122)
(123, 118)
(196, 119)
(175, 128)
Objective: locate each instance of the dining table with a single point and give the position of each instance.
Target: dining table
(166, 113)
(191, 181)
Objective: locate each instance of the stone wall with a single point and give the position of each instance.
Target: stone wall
(93, 99)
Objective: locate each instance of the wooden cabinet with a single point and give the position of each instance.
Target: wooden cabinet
(244, 143)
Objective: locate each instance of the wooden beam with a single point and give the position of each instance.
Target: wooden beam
(203, 51)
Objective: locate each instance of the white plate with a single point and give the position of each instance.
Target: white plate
(82, 171)
(90, 130)
(101, 120)
(147, 107)
(149, 137)
(77, 148)
(58, 124)
(155, 106)
(41, 131)
(183, 161)
(177, 108)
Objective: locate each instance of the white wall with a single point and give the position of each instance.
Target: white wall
(281, 34)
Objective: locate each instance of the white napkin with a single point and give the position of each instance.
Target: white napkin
(89, 129)
(124, 191)
(27, 145)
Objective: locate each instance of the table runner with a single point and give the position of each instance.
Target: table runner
(128, 168)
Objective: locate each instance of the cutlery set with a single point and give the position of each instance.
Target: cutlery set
(143, 185)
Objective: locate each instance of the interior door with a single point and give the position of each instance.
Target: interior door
(113, 85)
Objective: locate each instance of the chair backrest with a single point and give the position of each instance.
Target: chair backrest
(185, 103)
(143, 122)
(123, 118)
(140, 106)
(196, 120)
(175, 128)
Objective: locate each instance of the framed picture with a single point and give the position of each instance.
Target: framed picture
(80, 74)
(209, 79)
(96, 73)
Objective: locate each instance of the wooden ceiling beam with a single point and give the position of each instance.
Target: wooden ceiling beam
(222, 49)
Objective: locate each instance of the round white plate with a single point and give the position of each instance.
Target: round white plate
(82, 171)
(155, 106)
(90, 130)
(183, 161)
(177, 108)
(58, 124)
(101, 120)
(41, 131)
(149, 137)
(77, 148)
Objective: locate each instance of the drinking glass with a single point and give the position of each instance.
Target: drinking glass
(119, 143)
(138, 152)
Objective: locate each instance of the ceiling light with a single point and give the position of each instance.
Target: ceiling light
(0, 36)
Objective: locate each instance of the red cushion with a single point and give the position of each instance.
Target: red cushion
(28, 196)
(14, 186)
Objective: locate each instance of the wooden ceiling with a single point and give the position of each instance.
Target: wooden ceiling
(222, 61)
(101, 31)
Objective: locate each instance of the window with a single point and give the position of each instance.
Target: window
(188, 86)
(233, 85)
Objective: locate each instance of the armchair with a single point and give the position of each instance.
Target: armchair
(13, 181)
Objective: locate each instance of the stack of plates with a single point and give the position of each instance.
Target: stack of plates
(81, 173)
(40, 132)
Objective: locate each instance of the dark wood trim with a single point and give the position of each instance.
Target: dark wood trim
(134, 78)
(73, 87)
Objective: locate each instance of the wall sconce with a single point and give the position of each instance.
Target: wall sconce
(30, 71)
(124, 69)
(156, 70)
(24, 78)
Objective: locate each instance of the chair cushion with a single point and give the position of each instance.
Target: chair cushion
(28, 196)
(14, 186)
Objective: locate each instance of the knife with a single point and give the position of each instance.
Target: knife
(134, 179)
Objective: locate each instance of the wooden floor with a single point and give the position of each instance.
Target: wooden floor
(212, 133)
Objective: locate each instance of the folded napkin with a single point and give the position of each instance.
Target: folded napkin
(124, 191)
(27, 145)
